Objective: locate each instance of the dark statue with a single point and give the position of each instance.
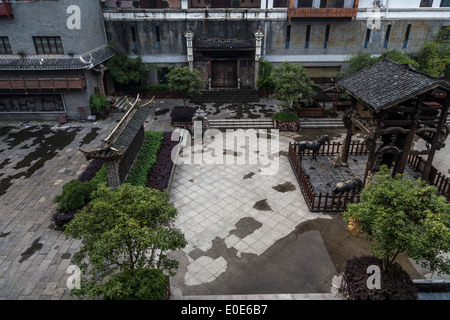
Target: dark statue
(347, 186)
(314, 146)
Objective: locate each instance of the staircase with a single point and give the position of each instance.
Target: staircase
(234, 95)
(263, 123)
(120, 103)
(327, 123)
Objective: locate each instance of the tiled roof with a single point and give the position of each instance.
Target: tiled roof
(123, 134)
(56, 62)
(388, 83)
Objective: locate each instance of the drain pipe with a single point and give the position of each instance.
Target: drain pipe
(265, 38)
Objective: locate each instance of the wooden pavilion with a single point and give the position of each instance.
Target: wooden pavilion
(391, 104)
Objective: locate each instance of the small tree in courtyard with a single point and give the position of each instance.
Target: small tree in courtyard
(126, 238)
(403, 215)
(292, 85)
(186, 81)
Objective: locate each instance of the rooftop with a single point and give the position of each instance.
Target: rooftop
(388, 83)
(56, 62)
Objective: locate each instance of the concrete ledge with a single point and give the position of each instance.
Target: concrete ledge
(433, 285)
(288, 296)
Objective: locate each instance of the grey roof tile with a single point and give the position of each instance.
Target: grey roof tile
(55, 62)
(387, 83)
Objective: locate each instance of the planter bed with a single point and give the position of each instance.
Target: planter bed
(315, 111)
(160, 174)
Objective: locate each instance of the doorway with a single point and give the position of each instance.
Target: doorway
(224, 73)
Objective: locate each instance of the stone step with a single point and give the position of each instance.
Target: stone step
(240, 123)
(227, 96)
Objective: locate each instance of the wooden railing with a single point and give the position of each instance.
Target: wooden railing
(68, 83)
(435, 177)
(324, 201)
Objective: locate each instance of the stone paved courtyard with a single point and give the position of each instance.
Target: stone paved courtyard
(247, 233)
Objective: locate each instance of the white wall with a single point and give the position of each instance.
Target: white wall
(397, 4)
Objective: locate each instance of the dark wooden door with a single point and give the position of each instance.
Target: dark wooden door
(223, 73)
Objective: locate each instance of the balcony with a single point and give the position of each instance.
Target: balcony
(323, 9)
(6, 9)
(72, 83)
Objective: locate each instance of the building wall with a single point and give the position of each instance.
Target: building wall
(49, 18)
(346, 37)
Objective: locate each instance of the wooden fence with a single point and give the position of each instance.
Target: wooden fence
(435, 177)
(324, 201)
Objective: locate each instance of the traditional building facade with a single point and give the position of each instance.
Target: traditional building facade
(224, 39)
(51, 55)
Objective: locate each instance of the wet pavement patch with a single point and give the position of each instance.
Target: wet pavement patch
(47, 142)
(88, 138)
(285, 187)
(262, 205)
(249, 175)
(66, 255)
(35, 246)
(4, 234)
(245, 227)
(161, 112)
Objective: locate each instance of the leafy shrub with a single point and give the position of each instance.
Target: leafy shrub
(100, 176)
(75, 194)
(137, 284)
(395, 282)
(91, 170)
(98, 103)
(285, 116)
(146, 158)
(155, 87)
(265, 81)
(159, 175)
(182, 114)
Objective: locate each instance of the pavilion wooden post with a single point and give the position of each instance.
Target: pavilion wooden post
(401, 164)
(433, 148)
(348, 138)
(373, 150)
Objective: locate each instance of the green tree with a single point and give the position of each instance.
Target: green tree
(292, 85)
(403, 215)
(265, 81)
(401, 57)
(125, 234)
(357, 62)
(186, 81)
(127, 73)
(431, 61)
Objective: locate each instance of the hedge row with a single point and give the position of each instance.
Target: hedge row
(146, 158)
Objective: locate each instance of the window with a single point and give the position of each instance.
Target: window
(327, 36)
(408, 30)
(445, 3)
(308, 33)
(305, 4)
(133, 39)
(5, 46)
(288, 36)
(48, 45)
(386, 38)
(158, 38)
(367, 40)
(162, 72)
(426, 3)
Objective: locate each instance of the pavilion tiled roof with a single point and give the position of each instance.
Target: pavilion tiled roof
(121, 137)
(56, 62)
(387, 83)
